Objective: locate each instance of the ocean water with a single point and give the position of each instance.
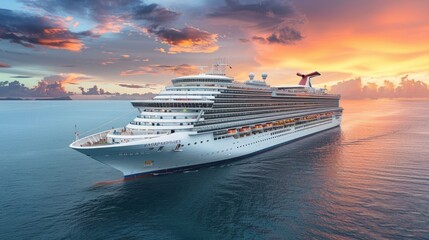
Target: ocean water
(368, 179)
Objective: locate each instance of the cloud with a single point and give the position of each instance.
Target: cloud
(46, 89)
(107, 62)
(188, 39)
(360, 38)
(285, 36)
(154, 13)
(262, 14)
(407, 88)
(66, 78)
(4, 65)
(161, 50)
(29, 30)
(183, 69)
(267, 21)
(125, 85)
(111, 16)
(54, 85)
(42, 89)
(115, 15)
(21, 76)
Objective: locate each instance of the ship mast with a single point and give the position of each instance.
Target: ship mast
(219, 68)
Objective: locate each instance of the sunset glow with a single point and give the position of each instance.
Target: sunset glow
(374, 41)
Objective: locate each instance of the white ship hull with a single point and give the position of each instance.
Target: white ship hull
(145, 157)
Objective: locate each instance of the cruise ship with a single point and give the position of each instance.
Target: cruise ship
(209, 118)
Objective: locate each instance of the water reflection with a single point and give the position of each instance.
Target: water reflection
(360, 181)
(244, 199)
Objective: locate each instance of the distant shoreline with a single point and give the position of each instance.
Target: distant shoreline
(81, 97)
(67, 98)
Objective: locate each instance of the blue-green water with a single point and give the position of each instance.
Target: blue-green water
(368, 179)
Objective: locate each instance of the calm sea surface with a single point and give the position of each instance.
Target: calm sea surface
(368, 179)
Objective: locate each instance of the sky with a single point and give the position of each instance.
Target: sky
(133, 46)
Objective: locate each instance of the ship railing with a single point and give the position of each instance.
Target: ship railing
(239, 122)
(94, 139)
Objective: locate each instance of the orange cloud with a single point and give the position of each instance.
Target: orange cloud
(111, 24)
(188, 39)
(368, 40)
(66, 78)
(30, 30)
(61, 43)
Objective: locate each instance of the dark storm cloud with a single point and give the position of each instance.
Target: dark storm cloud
(29, 30)
(275, 18)
(4, 65)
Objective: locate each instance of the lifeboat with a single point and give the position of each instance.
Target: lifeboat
(267, 125)
(257, 128)
(244, 129)
(231, 131)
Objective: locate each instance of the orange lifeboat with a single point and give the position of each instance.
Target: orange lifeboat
(257, 128)
(231, 131)
(244, 129)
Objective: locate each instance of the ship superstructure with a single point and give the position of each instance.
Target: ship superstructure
(208, 118)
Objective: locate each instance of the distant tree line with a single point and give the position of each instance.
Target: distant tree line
(15, 89)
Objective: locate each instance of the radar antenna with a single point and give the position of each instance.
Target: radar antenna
(219, 68)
